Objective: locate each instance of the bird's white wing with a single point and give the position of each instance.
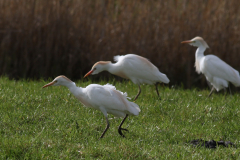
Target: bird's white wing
(218, 68)
(108, 97)
(140, 67)
(112, 88)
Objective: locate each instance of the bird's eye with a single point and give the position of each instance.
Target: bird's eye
(56, 81)
(94, 68)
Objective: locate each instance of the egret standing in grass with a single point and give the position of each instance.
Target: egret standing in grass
(136, 68)
(216, 71)
(105, 98)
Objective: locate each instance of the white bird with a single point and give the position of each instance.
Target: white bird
(136, 68)
(105, 98)
(216, 71)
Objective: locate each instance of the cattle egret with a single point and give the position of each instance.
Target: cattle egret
(104, 98)
(136, 68)
(216, 71)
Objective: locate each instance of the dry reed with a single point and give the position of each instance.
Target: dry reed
(42, 38)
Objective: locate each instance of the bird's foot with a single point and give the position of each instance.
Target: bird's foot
(124, 129)
(120, 131)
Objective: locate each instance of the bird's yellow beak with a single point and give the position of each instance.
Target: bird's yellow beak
(49, 84)
(186, 42)
(90, 72)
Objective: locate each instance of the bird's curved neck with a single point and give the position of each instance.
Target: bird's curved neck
(200, 52)
(111, 67)
(116, 69)
(79, 93)
(73, 88)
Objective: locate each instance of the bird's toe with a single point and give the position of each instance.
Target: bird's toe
(120, 131)
(124, 129)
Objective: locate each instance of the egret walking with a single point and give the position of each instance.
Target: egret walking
(216, 71)
(104, 98)
(136, 68)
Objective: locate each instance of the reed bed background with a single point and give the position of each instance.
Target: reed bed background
(42, 38)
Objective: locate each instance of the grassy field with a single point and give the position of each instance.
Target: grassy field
(50, 123)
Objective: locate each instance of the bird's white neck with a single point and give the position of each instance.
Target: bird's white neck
(116, 69)
(73, 88)
(200, 52)
(79, 93)
(111, 67)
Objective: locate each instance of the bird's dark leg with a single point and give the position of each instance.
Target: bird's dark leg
(211, 92)
(157, 90)
(120, 126)
(139, 91)
(225, 92)
(229, 89)
(105, 128)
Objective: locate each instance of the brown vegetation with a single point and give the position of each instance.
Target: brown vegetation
(46, 38)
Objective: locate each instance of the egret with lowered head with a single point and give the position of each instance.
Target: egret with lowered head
(104, 98)
(216, 71)
(136, 68)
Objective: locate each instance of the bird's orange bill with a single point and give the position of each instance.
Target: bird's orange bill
(90, 72)
(49, 84)
(186, 42)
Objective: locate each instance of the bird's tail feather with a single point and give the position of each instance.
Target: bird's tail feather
(164, 78)
(236, 81)
(134, 108)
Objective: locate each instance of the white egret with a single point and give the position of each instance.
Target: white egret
(216, 71)
(104, 98)
(136, 68)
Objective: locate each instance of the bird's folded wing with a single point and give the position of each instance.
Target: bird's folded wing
(218, 68)
(108, 97)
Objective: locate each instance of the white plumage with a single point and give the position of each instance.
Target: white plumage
(136, 68)
(104, 98)
(216, 71)
(139, 69)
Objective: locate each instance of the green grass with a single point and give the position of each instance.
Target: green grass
(50, 123)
